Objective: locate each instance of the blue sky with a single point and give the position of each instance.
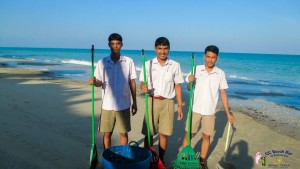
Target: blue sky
(256, 26)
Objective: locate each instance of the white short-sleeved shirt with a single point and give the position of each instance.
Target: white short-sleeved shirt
(161, 79)
(115, 82)
(206, 89)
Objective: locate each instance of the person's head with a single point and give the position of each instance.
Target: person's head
(162, 48)
(115, 42)
(211, 55)
(212, 48)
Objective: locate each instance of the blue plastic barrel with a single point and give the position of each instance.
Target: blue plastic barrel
(120, 157)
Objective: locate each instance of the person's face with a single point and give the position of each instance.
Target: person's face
(162, 52)
(115, 46)
(210, 59)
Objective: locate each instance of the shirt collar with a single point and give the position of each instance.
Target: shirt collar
(168, 61)
(122, 59)
(213, 71)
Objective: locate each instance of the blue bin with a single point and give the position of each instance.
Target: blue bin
(120, 157)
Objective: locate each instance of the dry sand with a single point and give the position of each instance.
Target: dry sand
(46, 123)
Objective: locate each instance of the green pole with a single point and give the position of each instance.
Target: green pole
(146, 97)
(93, 100)
(190, 102)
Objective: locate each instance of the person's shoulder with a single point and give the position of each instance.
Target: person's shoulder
(105, 58)
(127, 59)
(153, 60)
(173, 62)
(200, 67)
(218, 70)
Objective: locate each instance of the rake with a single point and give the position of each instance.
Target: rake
(93, 154)
(187, 158)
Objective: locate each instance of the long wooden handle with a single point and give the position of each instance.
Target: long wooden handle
(227, 137)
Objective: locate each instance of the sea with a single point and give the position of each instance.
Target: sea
(271, 77)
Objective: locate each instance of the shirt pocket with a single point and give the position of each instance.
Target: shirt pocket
(215, 82)
(200, 77)
(169, 77)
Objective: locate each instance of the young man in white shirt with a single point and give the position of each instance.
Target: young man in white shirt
(163, 84)
(208, 80)
(116, 75)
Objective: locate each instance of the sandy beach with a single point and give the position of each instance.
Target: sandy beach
(46, 123)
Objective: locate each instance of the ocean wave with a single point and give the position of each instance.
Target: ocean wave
(138, 68)
(260, 94)
(262, 83)
(12, 57)
(67, 72)
(78, 62)
(237, 77)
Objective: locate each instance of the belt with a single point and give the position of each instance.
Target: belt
(157, 97)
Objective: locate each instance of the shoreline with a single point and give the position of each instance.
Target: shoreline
(280, 92)
(46, 122)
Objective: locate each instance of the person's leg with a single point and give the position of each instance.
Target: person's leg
(205, 145)
(123, 138)
(185, 139)
(163, 140)
(165, 122)
(196, 117)
(106, 126)
(208, 124)
(123, 124)
(106, 140)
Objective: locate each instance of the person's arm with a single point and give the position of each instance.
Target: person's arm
(95, 81)
(178, 92)
(224, 98)
(132, 85)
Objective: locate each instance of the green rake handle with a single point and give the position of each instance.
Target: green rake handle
(93, 100)
(190, 102)
(146, 97)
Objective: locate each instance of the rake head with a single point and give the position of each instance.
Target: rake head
(187, 159)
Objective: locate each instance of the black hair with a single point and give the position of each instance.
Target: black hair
(162, 41)
(212, 48)
(115, 36)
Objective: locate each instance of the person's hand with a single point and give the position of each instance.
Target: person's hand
(230, 118)
(144, 88)
(92, 80)
(133, 109)
(191, 78)
(180, 113)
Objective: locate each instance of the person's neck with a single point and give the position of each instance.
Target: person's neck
(115, 57)
(161, 61)
(209, 69)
